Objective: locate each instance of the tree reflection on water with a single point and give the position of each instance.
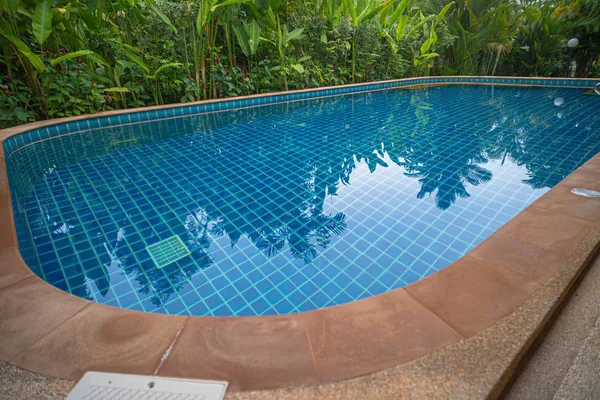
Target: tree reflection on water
(272, 189)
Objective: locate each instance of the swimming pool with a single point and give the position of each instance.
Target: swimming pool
(292, 206)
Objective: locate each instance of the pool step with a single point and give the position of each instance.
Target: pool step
(167, 251)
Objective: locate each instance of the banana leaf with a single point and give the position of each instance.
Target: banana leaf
(253, 30)
(42, 21)
(68, 56)
(9, 6)
(169, 65)
(242, 37)
(20, 46)
(117, 90)
(163, 17)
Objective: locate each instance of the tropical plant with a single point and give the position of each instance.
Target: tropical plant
(15, 107)
(360, 12)
(281, 39)
(145, 52)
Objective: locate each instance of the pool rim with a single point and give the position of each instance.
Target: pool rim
(316, 346)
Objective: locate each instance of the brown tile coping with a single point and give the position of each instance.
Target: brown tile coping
(249, 352)
(101, 338)
(374, 333)
(473, 294)
(510, 283)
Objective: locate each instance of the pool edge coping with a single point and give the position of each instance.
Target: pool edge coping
(400, 303)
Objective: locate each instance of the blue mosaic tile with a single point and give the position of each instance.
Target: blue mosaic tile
(289, 207)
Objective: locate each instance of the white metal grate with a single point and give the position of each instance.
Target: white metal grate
(107, 386)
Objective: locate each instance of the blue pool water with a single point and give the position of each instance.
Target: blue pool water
(295, 206)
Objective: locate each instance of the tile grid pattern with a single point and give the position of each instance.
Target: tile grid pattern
(157, 195)
(17, 141)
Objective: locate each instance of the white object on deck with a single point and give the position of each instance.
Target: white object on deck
(585, 192)
(105, 386)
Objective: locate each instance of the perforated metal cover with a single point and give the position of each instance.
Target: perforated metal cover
(168, 251)
(107, 386)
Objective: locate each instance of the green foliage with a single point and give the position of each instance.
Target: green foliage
(41, 24)
(68, 58)
(248, 36)
(15, 99)
(19, 46)
(232, 82)
(71, 90)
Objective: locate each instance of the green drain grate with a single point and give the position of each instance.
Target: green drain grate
(167, 251)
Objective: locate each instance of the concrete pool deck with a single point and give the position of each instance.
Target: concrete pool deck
(460, 331)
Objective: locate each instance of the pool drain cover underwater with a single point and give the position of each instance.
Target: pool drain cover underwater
(167, 251)
(108, 386)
